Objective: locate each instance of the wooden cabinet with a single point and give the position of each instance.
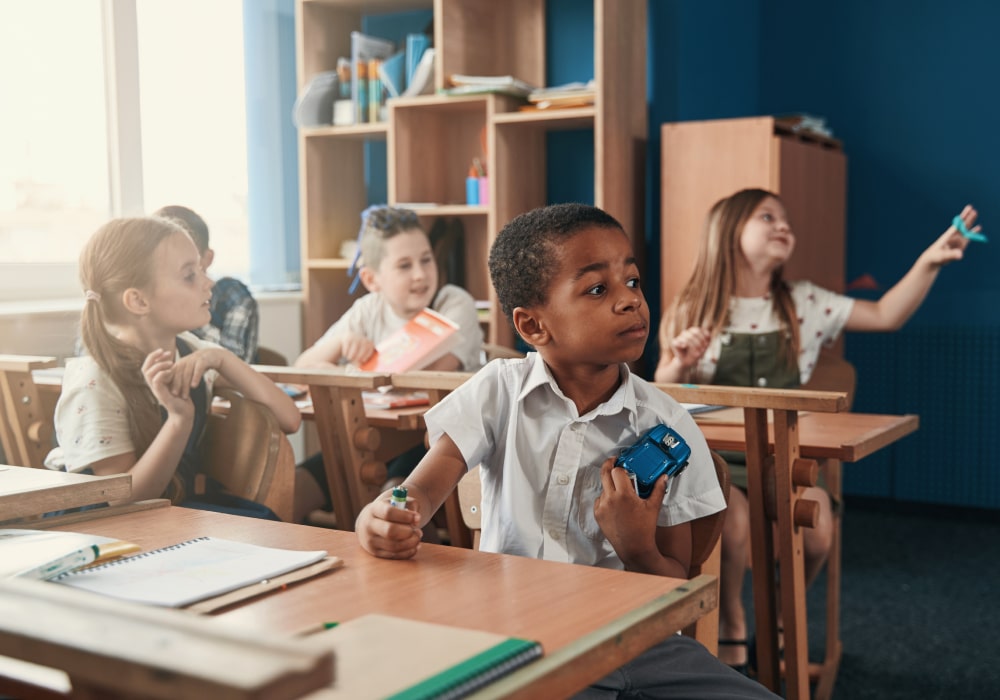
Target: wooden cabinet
(708, 160)
(432, 139)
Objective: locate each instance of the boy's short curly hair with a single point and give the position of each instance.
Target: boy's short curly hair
(523, 257)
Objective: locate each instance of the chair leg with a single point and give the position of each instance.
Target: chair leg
(831, 662)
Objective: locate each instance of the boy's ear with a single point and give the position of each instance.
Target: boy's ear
(207, 258)
(369, 279)
(529, 326)
(135, 302)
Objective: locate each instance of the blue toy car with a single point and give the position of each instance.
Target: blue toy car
(659, 451)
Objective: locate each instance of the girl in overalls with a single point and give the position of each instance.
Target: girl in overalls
(137, 401)
(737, 322)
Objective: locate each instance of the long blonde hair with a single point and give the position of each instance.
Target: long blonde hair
(704, 300)
(119, 256)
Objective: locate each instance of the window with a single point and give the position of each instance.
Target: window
(100, 96)
(54, 169)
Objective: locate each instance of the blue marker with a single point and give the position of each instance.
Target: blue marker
(959, 223)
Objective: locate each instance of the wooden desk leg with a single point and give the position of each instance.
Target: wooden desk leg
(762, 550)
(790, 556)
(325, 413)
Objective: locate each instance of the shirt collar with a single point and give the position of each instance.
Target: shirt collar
(623, 399)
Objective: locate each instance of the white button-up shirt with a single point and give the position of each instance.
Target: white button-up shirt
(541, 460)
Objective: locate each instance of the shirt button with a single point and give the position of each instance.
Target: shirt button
(563, 479)
(554, 534)
(762, 381)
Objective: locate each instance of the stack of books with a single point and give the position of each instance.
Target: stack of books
(480, 84)
(563, 96)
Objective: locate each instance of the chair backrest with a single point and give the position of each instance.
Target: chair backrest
(247, 452)
(706, 531)
(26, 418)
(267, 356)
(833, 373)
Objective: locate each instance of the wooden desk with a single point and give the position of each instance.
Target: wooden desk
(844, 436)
(776, 514)
(27, 491)
(589, 620)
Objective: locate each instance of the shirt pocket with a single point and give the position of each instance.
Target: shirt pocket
(588, 488)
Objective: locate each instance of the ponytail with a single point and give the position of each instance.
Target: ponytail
(118, 257)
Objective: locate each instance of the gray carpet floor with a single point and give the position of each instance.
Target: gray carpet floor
(920, 603)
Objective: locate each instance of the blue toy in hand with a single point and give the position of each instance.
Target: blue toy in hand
(659, 451)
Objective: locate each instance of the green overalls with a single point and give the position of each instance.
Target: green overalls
(753, 360)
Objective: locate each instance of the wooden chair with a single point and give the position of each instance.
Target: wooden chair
(26, 427)
(832, 373)
(706, 551)
(247, 452)
(267, 356)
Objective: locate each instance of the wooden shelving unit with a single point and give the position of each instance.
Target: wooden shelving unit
(704, 161)
(431, 140)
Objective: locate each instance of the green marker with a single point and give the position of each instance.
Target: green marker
(398, 498)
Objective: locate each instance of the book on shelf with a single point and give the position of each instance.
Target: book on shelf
(46, 554)
(196, 570)
(477, 84)
(394, 398)
(425, 338)
(365, 49)
(422, 81)
(428, 660)
(416, 44)
(391, 72)
(564, 96)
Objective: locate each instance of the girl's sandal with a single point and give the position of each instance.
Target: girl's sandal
(743, 668)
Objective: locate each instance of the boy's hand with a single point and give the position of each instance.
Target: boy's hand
(356, 349)
(387, 532)
(629, 522)
(689, 345)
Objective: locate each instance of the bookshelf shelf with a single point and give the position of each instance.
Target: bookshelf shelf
(357, 131)
(432, 139)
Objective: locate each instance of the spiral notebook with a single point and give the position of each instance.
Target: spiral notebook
(418, 659)
(190, 571)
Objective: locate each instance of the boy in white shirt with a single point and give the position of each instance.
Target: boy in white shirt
(547, 428)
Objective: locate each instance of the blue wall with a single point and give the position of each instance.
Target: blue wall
(906, 87)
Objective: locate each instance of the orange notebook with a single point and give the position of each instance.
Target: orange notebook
(425, 338)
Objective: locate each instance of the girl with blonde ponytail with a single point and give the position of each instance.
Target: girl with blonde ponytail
(137, 401)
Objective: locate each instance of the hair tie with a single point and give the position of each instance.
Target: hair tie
(91, 295)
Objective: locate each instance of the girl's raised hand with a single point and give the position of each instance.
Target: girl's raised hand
(158, 370)
(689, 345)
(951, 244)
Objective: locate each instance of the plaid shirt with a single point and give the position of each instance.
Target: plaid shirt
(234, 319)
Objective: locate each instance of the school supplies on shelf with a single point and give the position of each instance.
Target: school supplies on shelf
(46, 554)
(427, 660)
(416, 46)
(425, 338)
(192, 571)
(365, 49)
